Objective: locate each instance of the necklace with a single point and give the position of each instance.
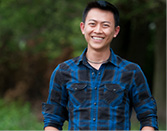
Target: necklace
(94, 62)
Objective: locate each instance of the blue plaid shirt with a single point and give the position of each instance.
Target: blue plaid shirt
(101, 99)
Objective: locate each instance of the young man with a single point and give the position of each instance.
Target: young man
(97, 90)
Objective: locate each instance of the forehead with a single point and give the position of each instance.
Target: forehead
(100, 15)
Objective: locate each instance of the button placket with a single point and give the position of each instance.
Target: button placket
(95, 104)
(95, 76)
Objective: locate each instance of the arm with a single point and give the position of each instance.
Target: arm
(147, 128)
(143, 102)
(48, 128)
(54, 110)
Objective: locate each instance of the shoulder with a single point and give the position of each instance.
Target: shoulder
(127, 65)
(62, 73)
(67, 65)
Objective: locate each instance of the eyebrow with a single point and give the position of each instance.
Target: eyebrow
(102, 21)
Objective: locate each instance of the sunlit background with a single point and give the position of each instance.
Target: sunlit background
(36, 35)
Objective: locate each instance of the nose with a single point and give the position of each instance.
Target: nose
(98, 29)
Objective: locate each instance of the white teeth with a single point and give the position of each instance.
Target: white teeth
(97, 38)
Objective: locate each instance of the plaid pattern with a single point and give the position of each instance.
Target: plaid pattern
(101, 99)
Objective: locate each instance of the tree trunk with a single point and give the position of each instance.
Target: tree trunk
(159, 91)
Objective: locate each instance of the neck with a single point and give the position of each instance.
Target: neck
(94, 62)
(97, 56)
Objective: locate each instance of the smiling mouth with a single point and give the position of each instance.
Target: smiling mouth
(97, 38)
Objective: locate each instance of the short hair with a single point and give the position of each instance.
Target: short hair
(103, 5)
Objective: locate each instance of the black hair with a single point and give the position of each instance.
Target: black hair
(103, 5)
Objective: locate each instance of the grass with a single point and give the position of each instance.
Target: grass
(18, 116)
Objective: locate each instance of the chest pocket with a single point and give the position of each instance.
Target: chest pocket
(79, 92)
(113, 94)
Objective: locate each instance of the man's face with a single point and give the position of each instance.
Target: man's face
(99, 29)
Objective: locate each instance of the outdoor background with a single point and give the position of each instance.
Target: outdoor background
(36, 35)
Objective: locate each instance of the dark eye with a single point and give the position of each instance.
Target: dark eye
(106, 25)
(92, 24)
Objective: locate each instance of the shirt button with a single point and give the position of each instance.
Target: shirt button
(95, 103)
(114, 89)
(94, 119)
(95, 88)
(99, 73)
(93, 73)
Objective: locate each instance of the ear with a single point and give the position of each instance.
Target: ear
(117, 29)
(82, 26)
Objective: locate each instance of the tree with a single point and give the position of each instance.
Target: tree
(37, 35)
(160, 68)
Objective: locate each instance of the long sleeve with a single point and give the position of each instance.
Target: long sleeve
(55, 109)
(143, 102)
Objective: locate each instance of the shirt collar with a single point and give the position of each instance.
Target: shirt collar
(112, 59)
(82, 57)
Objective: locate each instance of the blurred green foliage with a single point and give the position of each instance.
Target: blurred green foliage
(18, 116)
(35, 34)
(51, 25)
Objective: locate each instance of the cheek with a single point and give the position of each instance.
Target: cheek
(110, 36)
(87, 37)
(88, 30)
(110, 33)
